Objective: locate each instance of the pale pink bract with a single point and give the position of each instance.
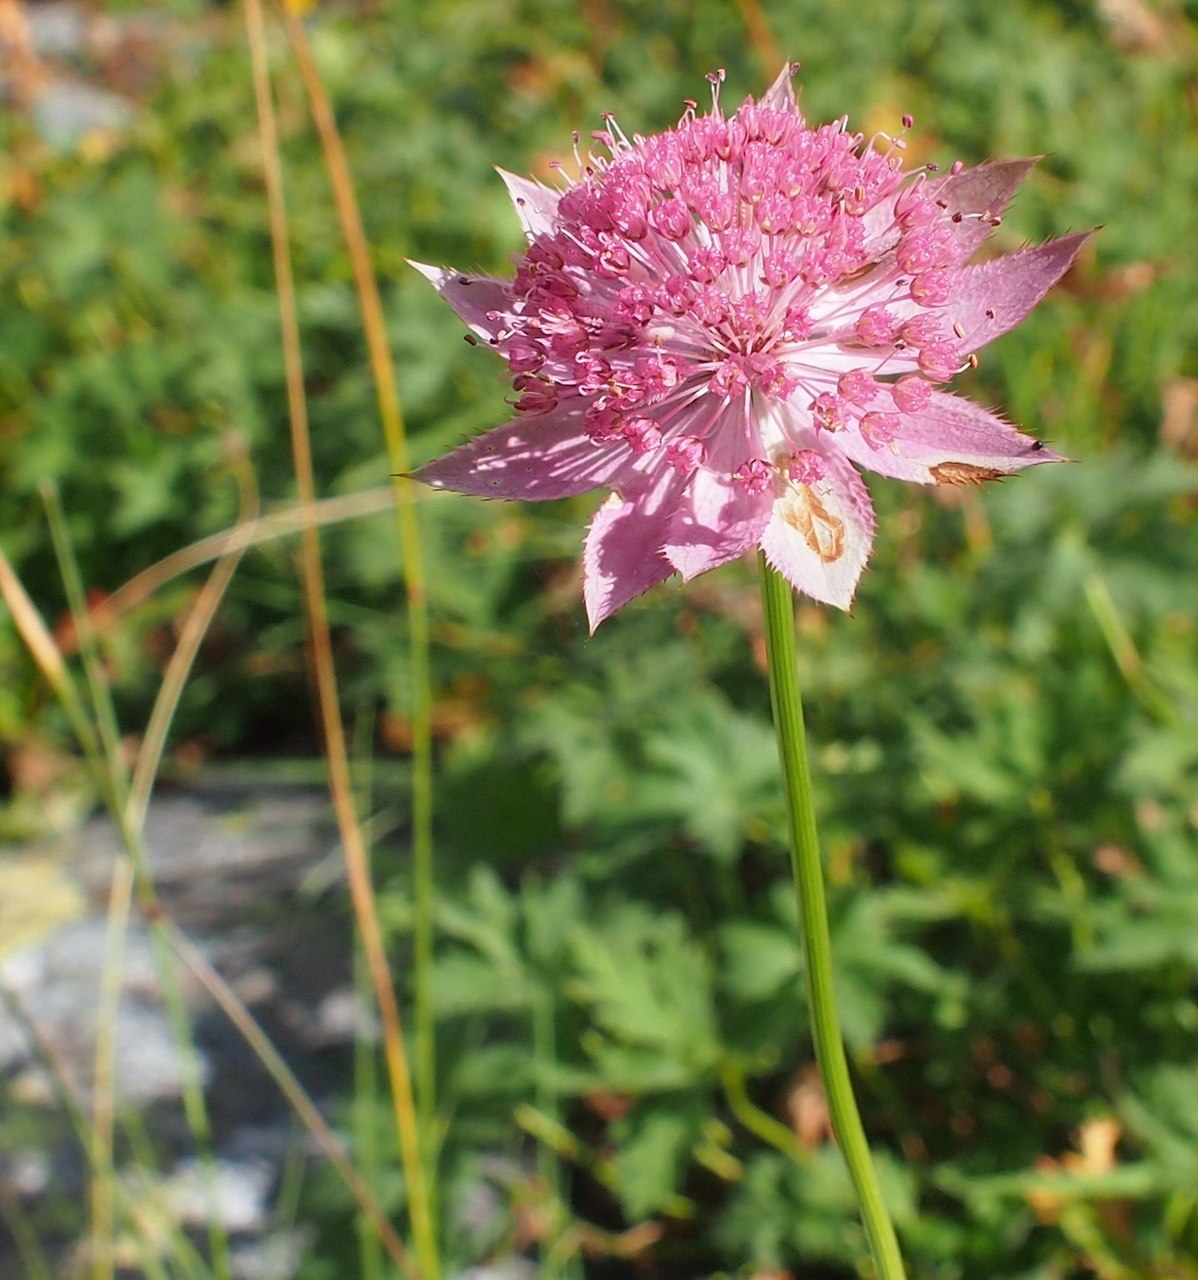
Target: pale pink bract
(718, 321)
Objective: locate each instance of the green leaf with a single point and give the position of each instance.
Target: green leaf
(648, 986)
(654, 1146)
(758, 960)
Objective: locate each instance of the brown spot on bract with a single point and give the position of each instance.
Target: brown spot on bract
(963, 473)
(822, 531)
(855, 275)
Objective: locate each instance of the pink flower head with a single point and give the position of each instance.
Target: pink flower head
(718, 321)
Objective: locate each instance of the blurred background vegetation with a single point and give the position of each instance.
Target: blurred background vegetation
(1006, 728)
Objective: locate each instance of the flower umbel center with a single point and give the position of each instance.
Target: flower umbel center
(729, 259)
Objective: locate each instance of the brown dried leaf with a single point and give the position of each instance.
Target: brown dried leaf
(1179, 422)
(963, 473)
(807, 1106)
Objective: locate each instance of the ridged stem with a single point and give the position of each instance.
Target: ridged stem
(778, 604)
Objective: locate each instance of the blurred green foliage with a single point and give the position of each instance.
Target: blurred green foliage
(1006, 728)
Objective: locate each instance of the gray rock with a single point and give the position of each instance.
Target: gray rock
(509, 1269)
(66, 110)
(57, 29)
(57, 985)
(275, 1257)
(217, 853)
(233, 866)
(234, 1193)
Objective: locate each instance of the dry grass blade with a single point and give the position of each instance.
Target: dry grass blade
(195, 628)
(243, 535)
(41, 645)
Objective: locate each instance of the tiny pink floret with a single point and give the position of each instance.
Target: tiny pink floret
(806, 467)
(720, 322)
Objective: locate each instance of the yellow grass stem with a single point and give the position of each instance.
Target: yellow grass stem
(382, 370)
(48, 656)
(324, 673)
(761, 37)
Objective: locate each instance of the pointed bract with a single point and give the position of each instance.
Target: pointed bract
(780, 96)
(622, 557)
(533, 459)
(955, 432)
(536, 204)
(718, 321)
(992, 297)
(717, 521)
(973, 200)
(979, 196)
(819, 536)
(480, 301)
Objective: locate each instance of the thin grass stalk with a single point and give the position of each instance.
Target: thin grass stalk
(100, 1153)
(285, 1212)
(138, 1203)
(544, 1054)
(324, 673)
(1124, 652)
(560, 1259)
(366, 1084)
(757, 1122)
(44, 650)
(195, 1105)
(113, 781)
(195, 628)
(103, 713)
(24, 1237)
(121, 893)
(366, 1088)
(48, 656)
(412, 568)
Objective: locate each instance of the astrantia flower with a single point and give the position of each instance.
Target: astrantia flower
(722, 321)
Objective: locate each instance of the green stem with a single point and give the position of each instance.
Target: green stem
(759, 1123)
(813, 913)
